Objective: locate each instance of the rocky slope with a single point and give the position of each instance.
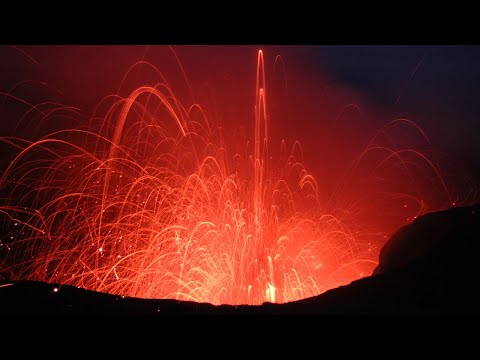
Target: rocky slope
(427, 267)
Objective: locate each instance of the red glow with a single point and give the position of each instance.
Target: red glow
(154, 199)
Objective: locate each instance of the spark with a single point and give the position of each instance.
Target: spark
(161, 202)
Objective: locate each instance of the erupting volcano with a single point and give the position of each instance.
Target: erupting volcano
(154, 199)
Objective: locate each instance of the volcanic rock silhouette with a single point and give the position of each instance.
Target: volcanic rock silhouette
(427, 267)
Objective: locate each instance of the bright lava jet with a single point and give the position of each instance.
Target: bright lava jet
(154, 199)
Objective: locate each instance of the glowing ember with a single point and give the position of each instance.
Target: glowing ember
(159, 202)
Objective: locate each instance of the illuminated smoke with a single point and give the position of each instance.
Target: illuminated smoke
(160, 202)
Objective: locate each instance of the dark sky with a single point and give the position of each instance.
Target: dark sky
(436, 86)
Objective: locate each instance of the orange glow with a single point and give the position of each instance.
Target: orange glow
(160, 202)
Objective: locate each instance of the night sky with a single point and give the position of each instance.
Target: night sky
(436, 86)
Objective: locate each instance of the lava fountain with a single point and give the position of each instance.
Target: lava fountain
(160, 202)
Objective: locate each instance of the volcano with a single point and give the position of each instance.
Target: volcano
(426, 267)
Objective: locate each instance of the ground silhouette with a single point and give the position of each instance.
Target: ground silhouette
(427, 267)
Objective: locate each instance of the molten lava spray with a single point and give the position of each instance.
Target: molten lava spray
(160, 202)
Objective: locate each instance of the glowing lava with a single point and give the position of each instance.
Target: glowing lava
(160, 202)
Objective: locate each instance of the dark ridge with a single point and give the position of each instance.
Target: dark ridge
(427, 267)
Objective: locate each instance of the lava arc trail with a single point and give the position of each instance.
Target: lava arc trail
(155, 200)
